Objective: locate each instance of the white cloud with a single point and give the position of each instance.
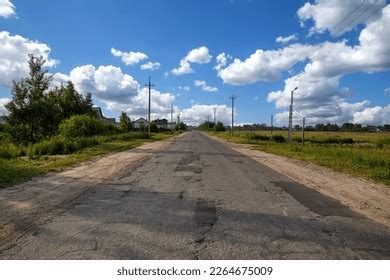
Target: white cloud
(373, 115)
(387, 90)
(150, 66)
(264, 65)
(198, 114)
(185, 88)
(7, 9)
(287, 39)
(107, 83)
(199, 55)
(119, 91)
(204, 86)
(318, 96)
(137, 106)
(338, 16)
(3, 110)
(129, 58)
(222, 60)
(14, 51)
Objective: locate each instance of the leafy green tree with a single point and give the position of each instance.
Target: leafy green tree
(220, 127)
(181, 126)
(125, 122)
(29, 111)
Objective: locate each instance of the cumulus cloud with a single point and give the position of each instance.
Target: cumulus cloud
(150, 66)
(14, 51)
(287, 39)
(264, 65)
(117, 90)
(319, 96)
(199, 55)
(137, 106)
(222, 61)
(204, 86)
(337, 16)
(387, 90)
(7, 9)
(129, 58)
(198, 114)
(3, 110)
(373, 115)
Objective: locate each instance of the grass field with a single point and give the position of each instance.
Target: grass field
(366, 156)
(15, 170)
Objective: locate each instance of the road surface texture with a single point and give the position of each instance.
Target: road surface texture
(194, 198)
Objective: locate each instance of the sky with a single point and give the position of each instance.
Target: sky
(199, 53)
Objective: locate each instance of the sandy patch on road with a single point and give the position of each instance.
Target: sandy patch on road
(26, 206)
(367, 198)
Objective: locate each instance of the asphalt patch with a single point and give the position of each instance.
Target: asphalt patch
(317, 202)
(205, 212)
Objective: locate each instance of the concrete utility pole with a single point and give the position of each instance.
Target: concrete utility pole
(149, 85)
(303, 131)
(290, 116)
(215, 119)
(232, 97)
(272, 123)
(171, 116)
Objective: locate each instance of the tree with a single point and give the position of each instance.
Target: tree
(29, 110)
(181, 126)
(125, 122)
(219, 127)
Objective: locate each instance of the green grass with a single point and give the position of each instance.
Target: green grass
(368, 156)
(17, 169)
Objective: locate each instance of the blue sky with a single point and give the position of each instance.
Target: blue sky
(77, 33)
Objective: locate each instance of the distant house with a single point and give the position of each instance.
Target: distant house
(99, 115)
(140, 123)
(161, 123)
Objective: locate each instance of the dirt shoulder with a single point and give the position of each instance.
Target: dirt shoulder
(26, 206)
(367, 198)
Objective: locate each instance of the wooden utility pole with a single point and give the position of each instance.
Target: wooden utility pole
(232, 97)
(149, 85)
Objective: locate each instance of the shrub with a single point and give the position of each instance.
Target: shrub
(260, 137)
(278, 138)
(9, 150)
(83, 126)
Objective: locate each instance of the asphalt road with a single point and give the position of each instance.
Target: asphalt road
(199, 199)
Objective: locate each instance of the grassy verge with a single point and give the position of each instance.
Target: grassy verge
(367, 157)
(15, 170)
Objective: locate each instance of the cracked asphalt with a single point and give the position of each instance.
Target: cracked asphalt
(198, 199)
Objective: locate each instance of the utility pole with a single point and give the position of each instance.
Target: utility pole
(149, 85)
(215, 119)
(171, 116)
(290, 116)
(232, 97)
(303, 131)
(272, 123)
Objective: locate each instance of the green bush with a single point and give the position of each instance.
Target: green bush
(9, 150)
(260, 137)
(84, 126)
(332, 140)
(278, 138)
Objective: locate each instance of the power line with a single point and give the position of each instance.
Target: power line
(357, 17)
